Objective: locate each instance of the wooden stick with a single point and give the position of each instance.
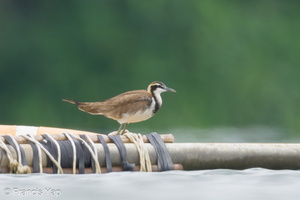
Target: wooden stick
(167, 138)
(57, 133)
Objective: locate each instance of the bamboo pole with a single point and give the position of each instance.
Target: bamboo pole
(200, 156)
(167, 138)
(57, 133)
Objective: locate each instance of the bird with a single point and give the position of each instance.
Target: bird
(128, 107)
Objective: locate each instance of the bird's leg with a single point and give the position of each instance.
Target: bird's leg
(124, 128)
(120, 129)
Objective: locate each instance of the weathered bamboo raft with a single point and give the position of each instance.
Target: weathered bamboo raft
(185, 156)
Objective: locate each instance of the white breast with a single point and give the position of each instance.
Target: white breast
(138, 116)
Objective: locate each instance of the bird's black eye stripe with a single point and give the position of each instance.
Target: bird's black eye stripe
(154, 87)
(157, 86)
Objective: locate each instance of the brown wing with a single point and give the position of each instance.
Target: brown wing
(128, 102)
(94, 108)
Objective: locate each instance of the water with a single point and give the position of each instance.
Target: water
(247, 184)
(255, 183)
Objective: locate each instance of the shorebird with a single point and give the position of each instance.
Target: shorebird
(129, 107)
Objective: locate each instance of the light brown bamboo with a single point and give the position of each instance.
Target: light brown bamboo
(57, 133)
(199, 156)
(167, 138)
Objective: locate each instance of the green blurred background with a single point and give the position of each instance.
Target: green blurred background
(233, 63)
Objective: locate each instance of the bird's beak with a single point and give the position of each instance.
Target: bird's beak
(170, 89)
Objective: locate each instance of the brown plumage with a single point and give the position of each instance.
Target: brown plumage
(128, 107)
(114, 107)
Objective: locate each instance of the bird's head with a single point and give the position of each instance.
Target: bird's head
(158, 87)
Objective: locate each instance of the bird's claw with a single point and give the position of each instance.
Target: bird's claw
(116, 132)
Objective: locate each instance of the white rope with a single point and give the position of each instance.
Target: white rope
(74, 151)
(95, 152)
(11, 160)
(40, 158)
(39, 155)
(21, 168)
(97, 165)
(14, 166)
(60, 170)
(57, 146)
(145, 162)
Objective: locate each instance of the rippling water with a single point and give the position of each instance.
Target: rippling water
(255, 183)
(249, 184)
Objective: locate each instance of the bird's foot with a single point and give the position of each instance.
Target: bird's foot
(116, 132)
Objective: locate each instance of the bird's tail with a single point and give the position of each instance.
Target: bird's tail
(73, 101)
